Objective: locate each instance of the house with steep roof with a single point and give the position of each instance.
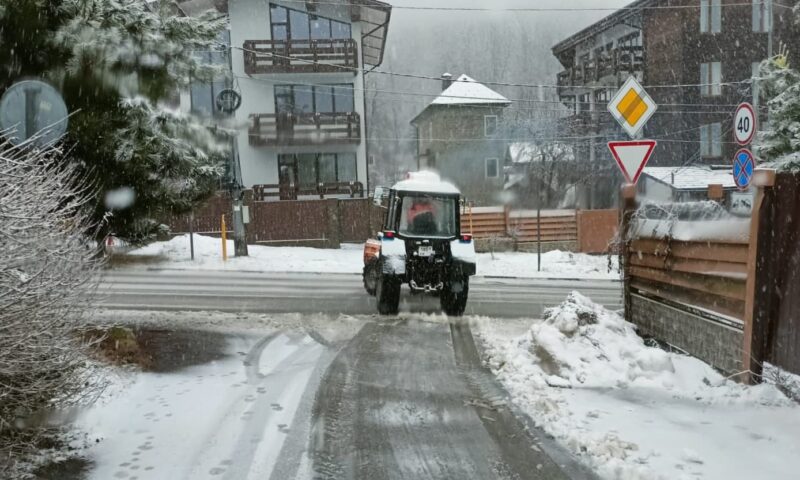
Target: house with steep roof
(458, 135)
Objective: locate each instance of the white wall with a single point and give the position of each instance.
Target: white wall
(250, 20)
(655, 191)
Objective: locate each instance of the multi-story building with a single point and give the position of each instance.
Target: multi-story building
(697, 60)
(299, 67)
(458, 135)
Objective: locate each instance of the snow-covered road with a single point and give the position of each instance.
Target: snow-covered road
(331, 293)
(292, 397)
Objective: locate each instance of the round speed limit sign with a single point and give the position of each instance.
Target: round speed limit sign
(744, 124)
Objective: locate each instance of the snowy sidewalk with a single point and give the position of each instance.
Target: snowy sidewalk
(175, 254)
(637, 412)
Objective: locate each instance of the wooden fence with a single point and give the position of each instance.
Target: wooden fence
(708, 275)
(524, 226)
(724, 292)
(321, 223)
(592, 231)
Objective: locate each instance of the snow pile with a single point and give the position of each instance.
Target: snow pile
(585, 377)
(580, 344)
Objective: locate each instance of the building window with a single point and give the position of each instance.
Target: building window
(711, 79)
(203, 95)
(492, 168)
(762, 15)
(710, 16)
(307, 170)
(711, 140)
(289, 24)
(489, 125)
(306, 99)
(371, 160)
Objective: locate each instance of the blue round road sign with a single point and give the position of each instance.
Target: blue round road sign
(743, 167)
(32, 108)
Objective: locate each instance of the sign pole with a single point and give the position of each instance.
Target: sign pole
(191, 234)
(539, 232)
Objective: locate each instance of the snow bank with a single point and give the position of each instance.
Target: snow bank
(580, 344)
(638, 412)
(735, 230)
(348, 259)
(208, 256)
(555, 264)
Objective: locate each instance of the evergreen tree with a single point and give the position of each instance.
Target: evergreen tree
(779, 141)
(120, 65)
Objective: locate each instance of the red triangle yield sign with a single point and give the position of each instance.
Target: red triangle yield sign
(632, 156)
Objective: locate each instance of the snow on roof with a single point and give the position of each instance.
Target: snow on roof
(426, 182)
(525, 152)
(691, 178)
(465, 90)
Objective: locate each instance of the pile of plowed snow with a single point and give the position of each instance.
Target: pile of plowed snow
(580, 344)
(636, 412)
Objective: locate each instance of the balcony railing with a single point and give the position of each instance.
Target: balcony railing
(292, 191)
(300, 56)
(289, 129)
(622, 60)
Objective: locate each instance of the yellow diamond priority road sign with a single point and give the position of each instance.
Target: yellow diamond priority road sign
(632, 107)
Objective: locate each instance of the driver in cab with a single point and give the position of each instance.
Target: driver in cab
(422, 217)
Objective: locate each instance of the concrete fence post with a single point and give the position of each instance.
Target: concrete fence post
(507, 219)
(716, 193)
(334, 230)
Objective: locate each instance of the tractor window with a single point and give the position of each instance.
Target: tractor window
(428, 216)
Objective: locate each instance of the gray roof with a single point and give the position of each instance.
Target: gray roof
(691, 178)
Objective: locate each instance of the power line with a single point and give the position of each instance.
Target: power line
(429, 96)
(534, 9)
(504, 84)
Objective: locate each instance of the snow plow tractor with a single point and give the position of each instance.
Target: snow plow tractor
(421, 245)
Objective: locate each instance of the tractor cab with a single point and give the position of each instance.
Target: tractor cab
(421, 245)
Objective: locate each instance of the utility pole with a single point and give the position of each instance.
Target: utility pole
(239, 232)
(237, 193)
(769, 16)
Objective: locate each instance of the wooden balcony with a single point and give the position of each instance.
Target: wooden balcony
(621, 61)
(291, 191)
(300, 56)
(288, 129)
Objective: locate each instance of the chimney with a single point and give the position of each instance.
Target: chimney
(447, 80)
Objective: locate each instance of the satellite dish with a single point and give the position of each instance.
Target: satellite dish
(32, 107)
(228, 100)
